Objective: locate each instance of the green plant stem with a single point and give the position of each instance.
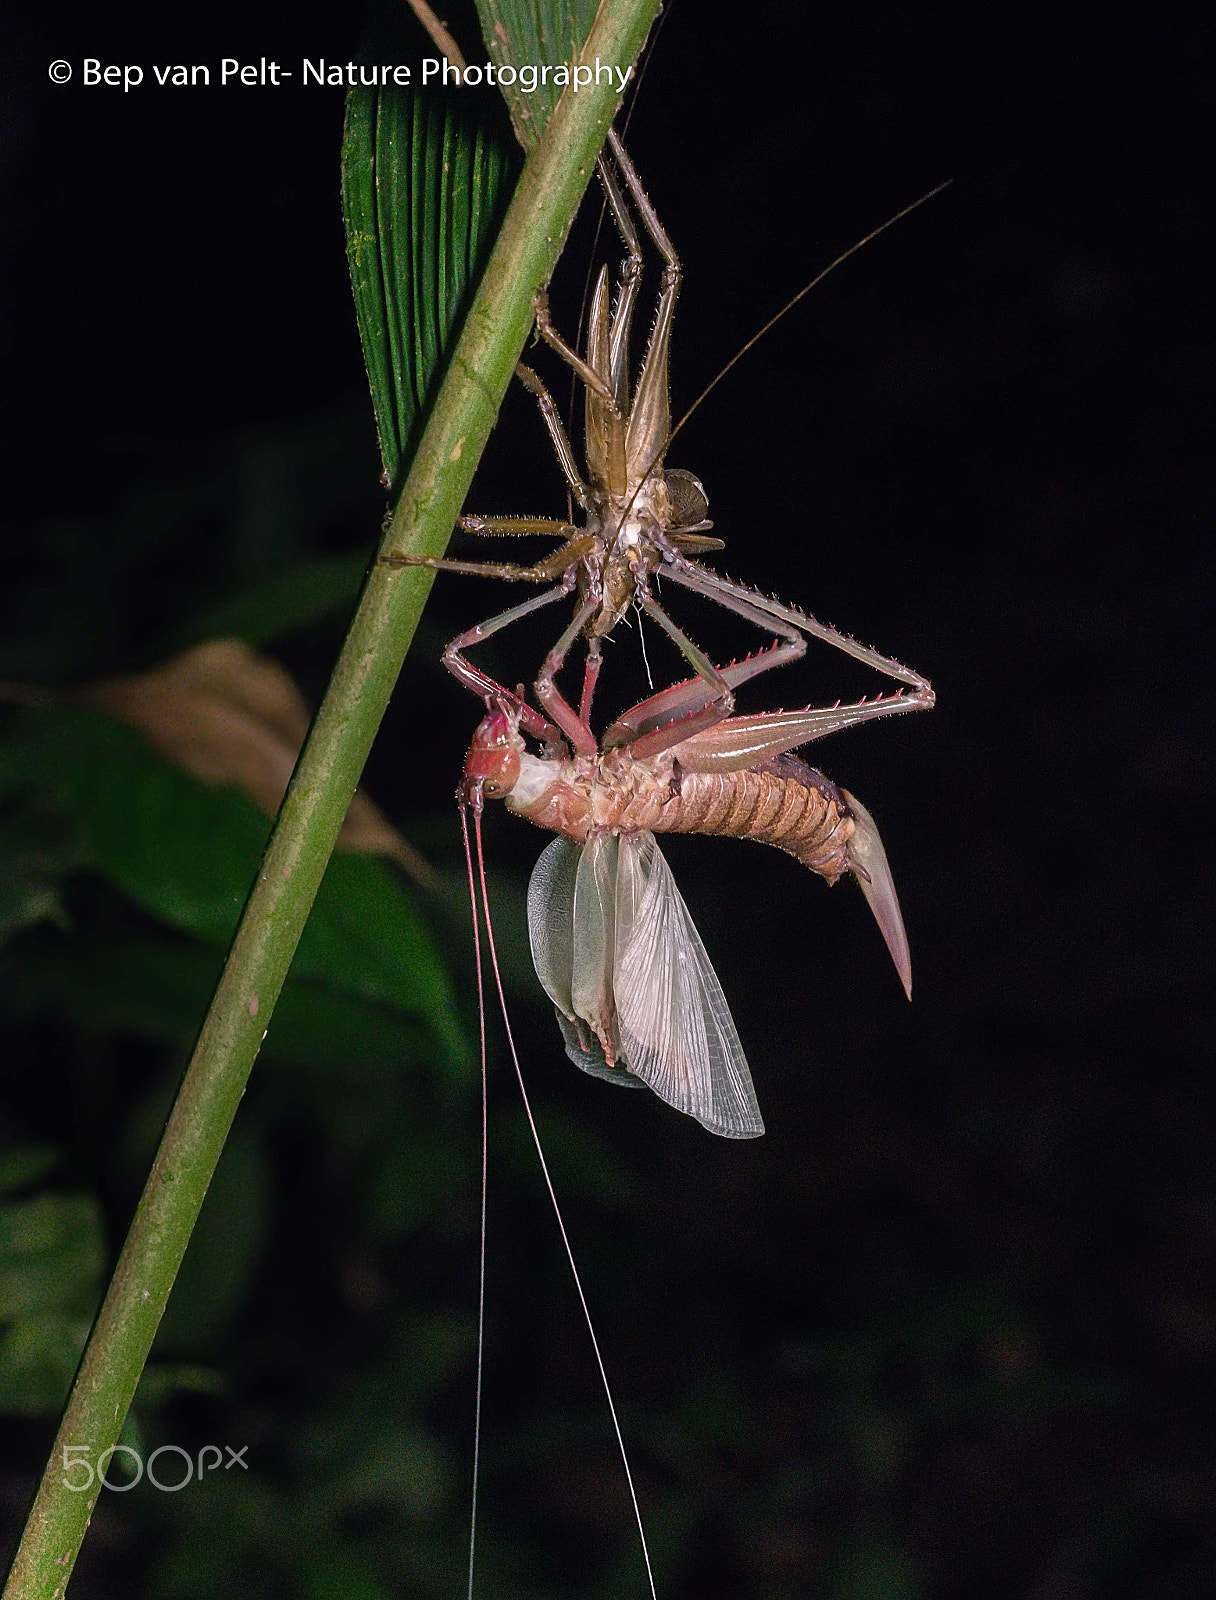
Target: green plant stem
(550, 187)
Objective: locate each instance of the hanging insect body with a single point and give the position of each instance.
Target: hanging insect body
(613, 943)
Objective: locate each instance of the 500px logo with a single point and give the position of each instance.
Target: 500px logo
(80, 1474)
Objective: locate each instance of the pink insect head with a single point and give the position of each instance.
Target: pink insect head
(491, 768)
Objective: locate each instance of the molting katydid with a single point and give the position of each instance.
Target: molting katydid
(612, 940)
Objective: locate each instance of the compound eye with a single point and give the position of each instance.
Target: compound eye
(687, 498)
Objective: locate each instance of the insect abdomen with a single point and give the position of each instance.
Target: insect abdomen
(783, 803)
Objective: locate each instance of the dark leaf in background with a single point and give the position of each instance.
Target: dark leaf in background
(185, 853)
(229, 715)
(52, 1252)
(951, 1329)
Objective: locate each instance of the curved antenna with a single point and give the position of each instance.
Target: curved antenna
(789, 305)
(561, 1221)
(485, 1173)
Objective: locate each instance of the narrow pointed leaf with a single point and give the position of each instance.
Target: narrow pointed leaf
(522, 34)
(425, 180)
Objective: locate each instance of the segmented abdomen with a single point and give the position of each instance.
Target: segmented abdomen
(783, 803)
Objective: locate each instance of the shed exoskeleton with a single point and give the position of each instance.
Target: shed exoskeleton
(641, 519)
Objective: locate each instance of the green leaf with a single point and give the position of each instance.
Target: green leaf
(32, 863)
(307, 593)
(425, 180)
(152, 988)
(25, 1165)
(157, 986)
(519, 34)
(186, 854)
(51, 1256)
(37, 1360)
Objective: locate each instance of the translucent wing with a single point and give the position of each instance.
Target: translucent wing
(594, 931)
(551, 916)
(551, 920)
(673, 1022)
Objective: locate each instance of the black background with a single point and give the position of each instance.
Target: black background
(983, 446)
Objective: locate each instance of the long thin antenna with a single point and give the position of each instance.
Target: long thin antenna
(557, 1210)
(775, 318)
(485, 1167)
(805, 290)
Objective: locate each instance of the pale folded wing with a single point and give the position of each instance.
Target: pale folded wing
(616, 950)
(551, 893)
(673, 1022)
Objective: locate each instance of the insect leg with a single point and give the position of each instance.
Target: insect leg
(521, 527)
(682, 699)
(554, 566)
(741, 742)
(758, 608)
(698, 704)
(711, 701)
(611, 387)
(650, 414)
(631, 280)
(590, 377)
(480, 683)
(787, 730)
(557, 433)
(590, 678)
(659, 722)
(604, 372)
(550, 696)
(641, 200)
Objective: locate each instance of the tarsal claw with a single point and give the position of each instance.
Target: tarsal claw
(868, 860)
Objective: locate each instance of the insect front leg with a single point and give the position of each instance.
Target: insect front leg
(481, 684)
(555, 566)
